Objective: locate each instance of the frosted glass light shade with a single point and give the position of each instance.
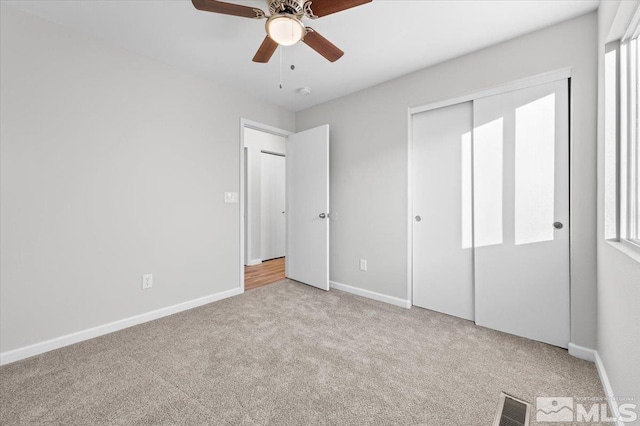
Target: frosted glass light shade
(285, 30)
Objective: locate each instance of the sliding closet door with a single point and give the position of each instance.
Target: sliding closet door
(442, 233)
(521, 212)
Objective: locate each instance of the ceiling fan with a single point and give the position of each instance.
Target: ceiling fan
(284, 26)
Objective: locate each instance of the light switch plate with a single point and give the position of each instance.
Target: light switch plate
(230, 197)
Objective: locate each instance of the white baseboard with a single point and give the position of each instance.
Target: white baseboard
(371, 295)
(254, 262)
(582, 352)
(69, 339)
(593, 356)
(608, 390)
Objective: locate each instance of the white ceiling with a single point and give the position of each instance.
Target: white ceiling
(382, 40)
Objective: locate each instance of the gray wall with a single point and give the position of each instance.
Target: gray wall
(618, 274)
(369, 158)
(112, 166)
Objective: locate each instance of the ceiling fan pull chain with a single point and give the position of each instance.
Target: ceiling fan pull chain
(281, 67)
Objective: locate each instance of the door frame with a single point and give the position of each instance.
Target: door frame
(255, 125)
(560, 74)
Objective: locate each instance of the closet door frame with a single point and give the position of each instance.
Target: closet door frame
(561, 74)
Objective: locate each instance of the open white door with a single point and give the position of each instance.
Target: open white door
(308, 207)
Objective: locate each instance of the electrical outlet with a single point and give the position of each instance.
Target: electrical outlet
(147, 281)
(363, 265)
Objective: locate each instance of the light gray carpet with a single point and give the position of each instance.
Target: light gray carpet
(288, 354)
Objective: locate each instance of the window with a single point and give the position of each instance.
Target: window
(622, 138)
(629, 139)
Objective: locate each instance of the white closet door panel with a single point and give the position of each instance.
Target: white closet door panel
(442, 198)
(272, 206)
(521, 187)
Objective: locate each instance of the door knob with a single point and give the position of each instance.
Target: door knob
(322, 215)
(418, 218)
(558, 225)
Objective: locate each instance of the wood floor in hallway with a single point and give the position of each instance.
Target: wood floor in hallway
(263, 274)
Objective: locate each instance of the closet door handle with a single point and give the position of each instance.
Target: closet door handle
(418, 218)
(558, 225)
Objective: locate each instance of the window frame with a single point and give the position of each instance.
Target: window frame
(628, 149)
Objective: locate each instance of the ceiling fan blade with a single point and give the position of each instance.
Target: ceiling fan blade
(228, 8)
(266, 50)
(320, 8)
(321, 45)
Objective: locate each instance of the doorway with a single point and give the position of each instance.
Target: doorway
(263, 210)
(306, 213)
(272, 223)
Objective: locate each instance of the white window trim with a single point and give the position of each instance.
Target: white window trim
(628, 163)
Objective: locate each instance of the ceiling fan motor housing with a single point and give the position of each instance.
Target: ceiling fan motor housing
(290, 7)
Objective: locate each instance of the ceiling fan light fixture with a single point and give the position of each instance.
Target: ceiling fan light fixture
(285, 30)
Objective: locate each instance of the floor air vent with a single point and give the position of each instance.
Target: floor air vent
(512, 412)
